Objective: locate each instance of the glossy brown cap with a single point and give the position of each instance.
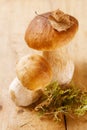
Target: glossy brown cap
(34, 72)
(40, 34)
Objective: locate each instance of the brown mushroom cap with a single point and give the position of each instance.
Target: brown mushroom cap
(34, 72)
(41, 35)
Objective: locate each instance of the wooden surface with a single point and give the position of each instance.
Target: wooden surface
(14, 19)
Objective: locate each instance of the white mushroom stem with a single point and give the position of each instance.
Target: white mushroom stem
(21, 95)
(62, 65)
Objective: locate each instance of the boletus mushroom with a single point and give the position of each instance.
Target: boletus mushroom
(33, 74)
(50, 32)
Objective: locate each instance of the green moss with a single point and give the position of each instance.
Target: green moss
(57, 100)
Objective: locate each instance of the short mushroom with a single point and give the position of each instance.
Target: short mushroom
(50, 32)
(33, 74)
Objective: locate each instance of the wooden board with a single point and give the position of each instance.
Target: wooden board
(15, 16)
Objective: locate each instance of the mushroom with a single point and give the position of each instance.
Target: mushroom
(50, 33)
(33, 74)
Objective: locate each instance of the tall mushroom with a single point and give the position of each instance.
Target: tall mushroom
(33, 74)
(50, 32)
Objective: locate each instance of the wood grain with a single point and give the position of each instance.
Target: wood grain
(14, 19)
